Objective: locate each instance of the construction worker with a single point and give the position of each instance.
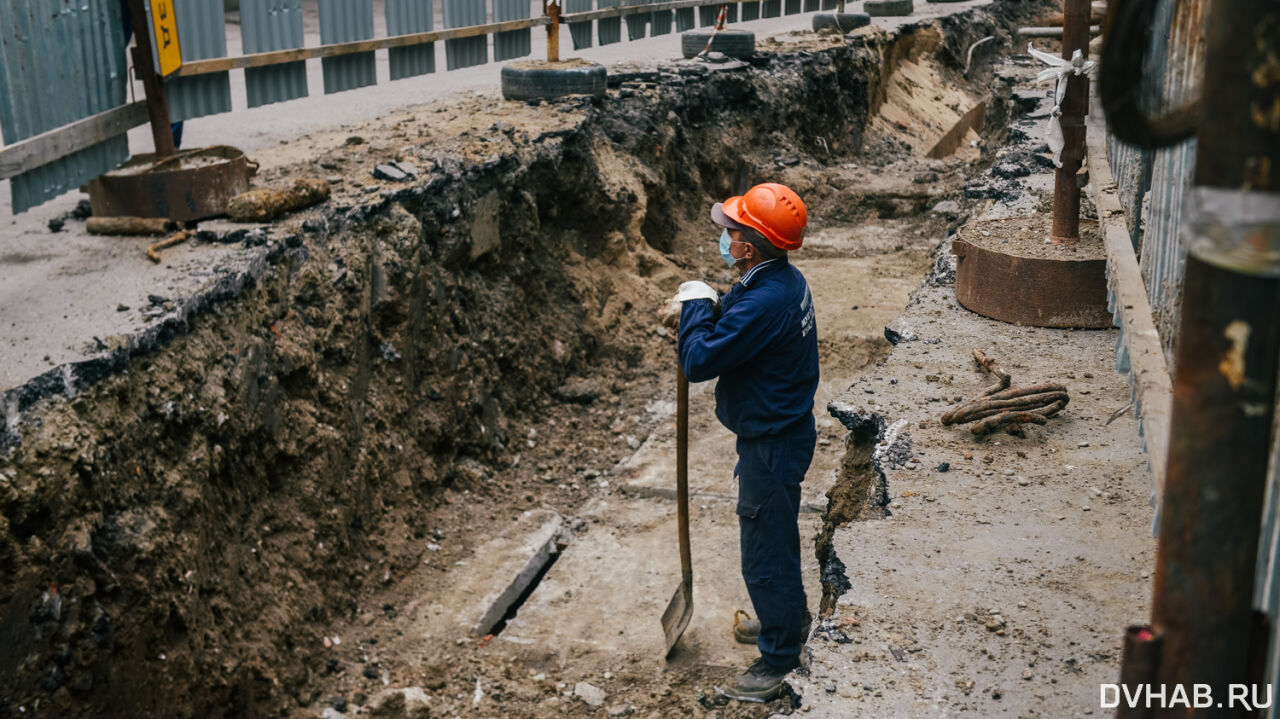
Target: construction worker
(761, 341)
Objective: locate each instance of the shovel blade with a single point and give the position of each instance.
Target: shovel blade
(677, 616)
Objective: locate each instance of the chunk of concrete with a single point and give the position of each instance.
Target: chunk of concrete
(590, 694)
(511, 562)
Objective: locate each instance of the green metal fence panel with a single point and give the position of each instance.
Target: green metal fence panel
(202, 35)
(346, 21)
(77, 48)
(405, 17)
(267, 25)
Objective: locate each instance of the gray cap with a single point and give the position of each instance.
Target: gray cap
(718, 217)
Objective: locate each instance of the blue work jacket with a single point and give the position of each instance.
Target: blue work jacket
(763, 346)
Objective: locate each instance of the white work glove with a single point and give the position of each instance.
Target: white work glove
(692, 290)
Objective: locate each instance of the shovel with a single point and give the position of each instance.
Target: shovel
(680, 610)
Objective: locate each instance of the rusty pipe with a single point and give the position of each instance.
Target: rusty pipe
(1138, 666)
(1075, 105)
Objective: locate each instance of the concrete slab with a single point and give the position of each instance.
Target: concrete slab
(608, 590)
(478, 593)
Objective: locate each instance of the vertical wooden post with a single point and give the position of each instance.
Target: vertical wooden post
(152, 83)
(551, 8)
(1075, 105)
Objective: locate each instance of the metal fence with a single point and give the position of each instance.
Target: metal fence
(1151, 187)
(76, 134)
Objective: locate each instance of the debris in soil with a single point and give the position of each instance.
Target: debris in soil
(1009, 407)
(153, 252)
(263, 205)
(129, 225)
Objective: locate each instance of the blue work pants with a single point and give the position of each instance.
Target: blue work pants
(769, 474)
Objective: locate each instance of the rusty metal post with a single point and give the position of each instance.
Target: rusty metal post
(1138, 666)
(1228, 347)
(551, 8)
(1075, 105)
(152, 83)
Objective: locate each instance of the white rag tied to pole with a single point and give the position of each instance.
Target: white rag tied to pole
(1058, 71)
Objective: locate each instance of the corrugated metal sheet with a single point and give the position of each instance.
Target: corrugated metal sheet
(467, 51)
(661, 22)
(202, 34)
(579, 31)
(347, 21)
(87, 40)
(829, 4)
(793, 7)
(609, 30)
(636, 23)
(750, 11)
(267, 25)
(1131, 168)
(771, 8)
(685, 19)
(513, 43)
(405, 17)
(708, 14)
(811, 5)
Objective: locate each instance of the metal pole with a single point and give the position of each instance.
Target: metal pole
(152, 83)
(1224, 385)
(551, 8)
(1075, 105)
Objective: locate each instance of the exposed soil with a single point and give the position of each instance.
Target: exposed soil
(423, 361)
(1029, 237)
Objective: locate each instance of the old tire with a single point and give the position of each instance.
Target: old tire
(740, 44)
(842, 21)
(888, 8)
(528, 81)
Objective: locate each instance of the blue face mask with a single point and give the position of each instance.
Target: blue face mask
(725, 241)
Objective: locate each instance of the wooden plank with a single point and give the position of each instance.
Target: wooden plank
(1150, 372)
(38, 150)
(263, 59)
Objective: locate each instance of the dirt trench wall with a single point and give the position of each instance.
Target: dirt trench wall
(170, 535)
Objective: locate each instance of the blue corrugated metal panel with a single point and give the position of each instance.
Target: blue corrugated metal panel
(812, 5)
(580, 31)
(267, 25)
(660, 22)
(405, 17)
(347, 21)
(609, 30)
(513, 43)
(707, 15)
(750, 11)
(77, 48)
(793, 7)
(1131, 168)
(771, 8)
(202, 34)
(467, 51)
(636, 23)
(829, 4)
(685, 18)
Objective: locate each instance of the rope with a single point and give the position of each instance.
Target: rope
(1058, 71)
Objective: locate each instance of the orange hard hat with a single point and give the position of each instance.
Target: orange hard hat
(773, 210)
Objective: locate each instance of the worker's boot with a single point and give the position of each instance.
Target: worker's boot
(761, 683)
(747, 631)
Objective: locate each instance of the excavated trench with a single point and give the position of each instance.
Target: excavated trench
(408, 364)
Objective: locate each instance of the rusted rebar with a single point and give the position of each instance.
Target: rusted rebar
(1003, 406)
(990, 365)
